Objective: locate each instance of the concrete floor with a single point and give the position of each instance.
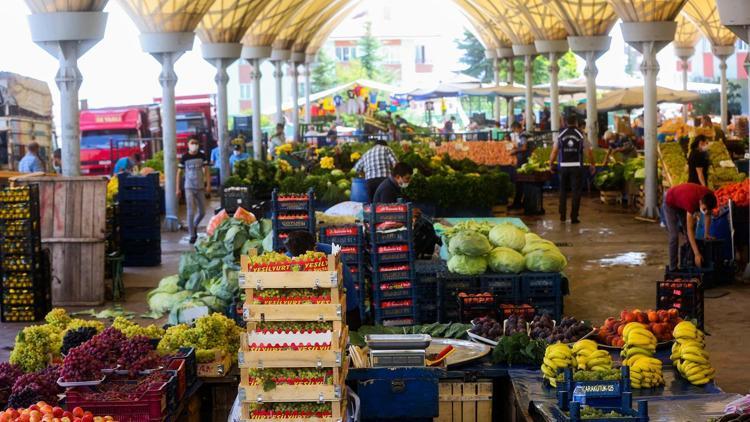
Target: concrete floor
(614, 262)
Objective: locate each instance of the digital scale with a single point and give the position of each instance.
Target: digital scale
(398, 350)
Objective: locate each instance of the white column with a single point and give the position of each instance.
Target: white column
(496, 79)
(650, 70)
(295, 98)
(554, 93)
(511, 106)
(255, 76)
(278, 74)
(649, 38)
(684, 87)
(168, 80)
(528, 67)
(591, 109)
(723, 53)
(69, 80)
(67, 36)
(308, 89)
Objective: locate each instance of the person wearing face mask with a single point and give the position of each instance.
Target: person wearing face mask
(237, 155)
(687, 201)
(391, 189)
(698, 161)
(194, 166)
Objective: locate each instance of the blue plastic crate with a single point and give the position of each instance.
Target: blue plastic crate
(134, 188)
(352, 254)
(399, 236)
(449, 283)
(295, 224)
(598, 393)
(553, 307)
(304, 203)
(540, 285)
(393, 312)
(392, 253)
(380, 213)
(378, 293)
(152, 232)
(505, 287)
(429, 267)
(384, 273)
(625, 407)
(426, 314)
(345, 235)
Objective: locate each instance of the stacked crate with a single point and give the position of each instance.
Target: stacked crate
(543, 291)
(291, 212)
(391, 250)
(682, 290)
(426, 272)
(25, 285)
(139, 216)
(351, 239)
(450, 285)
(306, 341)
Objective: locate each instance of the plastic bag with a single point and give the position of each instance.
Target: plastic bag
(216, 222)
(244, 215)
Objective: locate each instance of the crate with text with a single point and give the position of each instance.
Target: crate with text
(301, 350)
(292, 384)
(302, 411)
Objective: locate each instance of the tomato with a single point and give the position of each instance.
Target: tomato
(77, 412)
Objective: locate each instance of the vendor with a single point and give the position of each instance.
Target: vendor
(391, 189)
(127, 164)
(376, 164)
(698, 161)
(718, 133)
(520, 151)
(277, 139)
(619, 143)
(301, 242)
(688, 200)
(237, 155)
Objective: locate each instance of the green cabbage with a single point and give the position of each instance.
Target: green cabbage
(536, 245)
(469, 243)
(530, 237)
(506, 260)
(467, 265)
(546, 261)
(162, 301)
(508, 235)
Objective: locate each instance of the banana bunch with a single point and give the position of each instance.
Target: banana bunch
(645, 372)
(639, 341)
(689, 354)
(589, 358)
(557, 357)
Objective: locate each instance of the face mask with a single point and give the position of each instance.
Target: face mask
(704, 149)
(403, 185)
(237, 152)
(192, 147)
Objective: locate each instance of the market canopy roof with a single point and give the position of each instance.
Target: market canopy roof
(503, 90)
(687, 34)
(629, 98)
(584, 18)
(166, 15)
(705, 15)
(228, 20)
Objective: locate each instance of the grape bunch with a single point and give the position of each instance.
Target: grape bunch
(58, 318)
(36, 386)
(74, 338)
(82, 364)
(211, 331)
(611, 374)
(136, 354)
(33, 347)
(270, 378)
(268, 258)
(294, 327)
(105, 345)
(8, 374)
(131, 329)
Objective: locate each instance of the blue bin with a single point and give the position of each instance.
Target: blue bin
(359, 190)
(389, 393)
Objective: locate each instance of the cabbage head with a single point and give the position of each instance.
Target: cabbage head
(530, 237)
(467, 265)
(469, 243)
(536, 245)
(162, 302)
(546, 261)
(506, 260)
(508, 235)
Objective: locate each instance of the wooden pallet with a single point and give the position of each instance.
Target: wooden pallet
(465, 402)
(294, 393)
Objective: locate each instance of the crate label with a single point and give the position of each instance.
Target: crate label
(342, 231)
(393, 248)
(394, 268)
(385, 208)
(350, 250)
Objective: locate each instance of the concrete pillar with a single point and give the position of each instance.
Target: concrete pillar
(590, 48)
(684, 54)
(67, 36)
(496, 78)
(167, 48)
(528, 51)
(254, 55)
(221, 55)
(308, 89)
(297, 58)
(278, 57)
(723, 52)
(511, 105)
(554, 49)
(649, 38)
(507, 54)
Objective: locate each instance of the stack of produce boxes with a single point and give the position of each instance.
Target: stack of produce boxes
(391, 249)
(139, 215)
(682, 290)
(544, 292)
(427, 289)
(351, 239)
(291, 212)
(292, 359)
(25, 288)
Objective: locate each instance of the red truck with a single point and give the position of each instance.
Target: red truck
(108, 134)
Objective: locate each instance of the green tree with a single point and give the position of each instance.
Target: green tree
(370, 57)
(478, 65)
(350, 71)
(323, 72)
(540, 73)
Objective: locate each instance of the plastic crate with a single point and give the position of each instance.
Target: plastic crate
(467, 310)
(286, 202)
(391, 253)
(570, 411)
(381, 291)
(683, 290)
(392, 272)
(505, 287)
(346, 235)
(191, 364)
(132, 187)
(24, 297)
(143, 233)
(235, 197)
(178, 366)
(426, 314)
(551, 306)
(598, 393)
(352, 254)
(305, 223)
(380, 213)
(393, 312)
(525, 310)
(24, 313)
(150, 407)
(540, 285)
(172, 391)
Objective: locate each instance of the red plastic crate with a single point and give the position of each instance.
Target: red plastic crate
(527, 311)
(151, 407)
(178, 365)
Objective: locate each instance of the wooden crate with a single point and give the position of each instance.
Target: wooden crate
(338, 411)
(217, 368)
(329, 277)
(465, 402)
(290, 393)
(334, 311)
(610, 197)
(72, 223)
(330, 358)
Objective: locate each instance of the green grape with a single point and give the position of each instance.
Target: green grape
(33, 347)
(58, 318)
(77, 323)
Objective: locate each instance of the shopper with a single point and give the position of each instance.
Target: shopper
(194, 166)
(619, 144)
(57, 161)
(569, 151)
(391, 189)
(127, 164)
(687, 201)
(376, 164)
(520, 151)
(237, 155)
(277, 139)
(698, 161)
(448, 128)
(718, 134)
(301, 242)
(31, 163)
